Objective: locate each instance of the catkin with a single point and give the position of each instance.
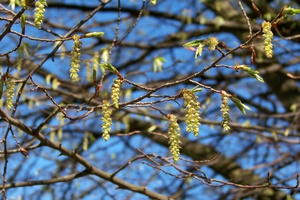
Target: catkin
(39, 12)
(10, 87)
(75, 59)
(106, 119)
(174, 140)
(267, 36)
(192, 107)
(225, 112)
(115, 92)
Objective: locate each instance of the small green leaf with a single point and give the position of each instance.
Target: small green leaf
(290, 11)
(12, 3)
(239, 104)
(196, 89)
(251, 72)
(105, 55)
(157, 64)
(194, 43)
(109, 67)
(199, 50)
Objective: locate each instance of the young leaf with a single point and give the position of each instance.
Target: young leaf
(251, 72)
(196, 89)
(239, 104)
(105, 55)
(290, 11)
(157, 64)
(194, 43)
(12, 4)
(109, 67)
(199, 50)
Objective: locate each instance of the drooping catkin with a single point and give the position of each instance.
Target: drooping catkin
(267, 36)
(106, 119)
(115, 92)
(174, 140)
(192, 107)
(39, 12)
(10, 87)
(75, 59)
(225, 111)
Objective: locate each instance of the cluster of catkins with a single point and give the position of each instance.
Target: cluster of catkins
(192, 120)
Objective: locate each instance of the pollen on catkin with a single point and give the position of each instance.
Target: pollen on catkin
(192, 108)
(225, 111)
(174, 140)
(10, 87)
(115, 92)
(39, 12)
(267, 36)
(106, 119)
(75, 59)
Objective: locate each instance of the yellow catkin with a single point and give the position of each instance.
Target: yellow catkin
(115, 92)
(10, 87)
(75, 59)
(192, 107)
(225, 112)
(106, 120)
(174, 137)
(267, 36)
(39, 12)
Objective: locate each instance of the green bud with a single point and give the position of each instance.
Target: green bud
(93, 34)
